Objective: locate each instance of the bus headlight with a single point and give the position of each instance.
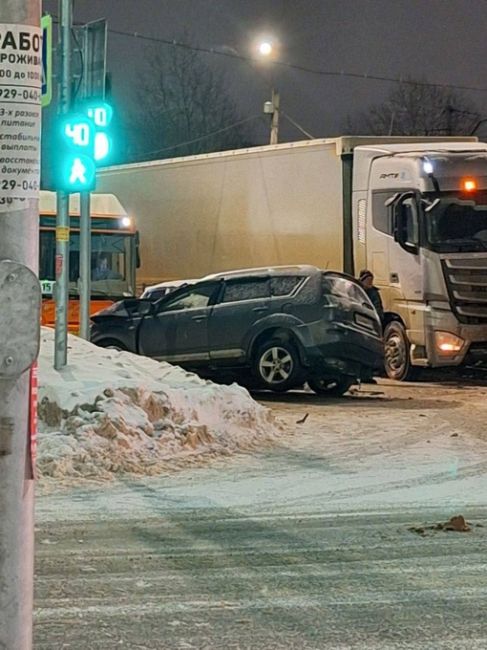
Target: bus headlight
(126, 222)
(448, 343)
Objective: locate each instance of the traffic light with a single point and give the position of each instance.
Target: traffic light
(76, 169)
(101, 115)
(82, 142)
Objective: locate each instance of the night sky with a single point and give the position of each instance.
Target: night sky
(443, 41)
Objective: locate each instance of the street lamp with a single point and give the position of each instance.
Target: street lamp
(265, 48)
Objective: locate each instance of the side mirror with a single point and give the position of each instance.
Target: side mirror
(146, 307)
(406, 222)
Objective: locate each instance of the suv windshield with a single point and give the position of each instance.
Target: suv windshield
(456, 223)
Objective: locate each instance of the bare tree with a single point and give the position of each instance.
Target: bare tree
(185, 107)
(416, 108)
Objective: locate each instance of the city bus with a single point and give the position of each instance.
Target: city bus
(114, 255)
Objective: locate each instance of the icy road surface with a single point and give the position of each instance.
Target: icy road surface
(306, 545)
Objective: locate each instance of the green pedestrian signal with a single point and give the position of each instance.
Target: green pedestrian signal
(76, 167)
(78, 175)
(82, 142)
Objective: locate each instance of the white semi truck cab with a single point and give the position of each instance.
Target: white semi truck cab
(411, 209)
(419, 216)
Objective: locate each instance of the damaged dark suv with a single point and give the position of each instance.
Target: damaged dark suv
(276, 328)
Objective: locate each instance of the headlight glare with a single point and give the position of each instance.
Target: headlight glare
(448, 343)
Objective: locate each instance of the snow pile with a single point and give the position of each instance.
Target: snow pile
(110, 413)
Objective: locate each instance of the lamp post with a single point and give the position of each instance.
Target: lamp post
(272, 107)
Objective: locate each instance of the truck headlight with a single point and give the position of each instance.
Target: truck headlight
(448, 343)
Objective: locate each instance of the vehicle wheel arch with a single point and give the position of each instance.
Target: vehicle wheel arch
(389, 317)
(283, 333)
(111, 343)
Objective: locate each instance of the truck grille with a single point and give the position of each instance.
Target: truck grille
(466, 280)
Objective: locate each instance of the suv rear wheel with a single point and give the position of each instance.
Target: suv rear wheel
(330, 387)
(277, 365)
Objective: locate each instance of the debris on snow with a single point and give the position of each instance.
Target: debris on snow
(418, 529)
(110, 413)
(456, 524)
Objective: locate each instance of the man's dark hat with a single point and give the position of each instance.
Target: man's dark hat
(364, 274)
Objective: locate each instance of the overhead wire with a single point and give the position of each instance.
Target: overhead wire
(297, 125)
(202, 137)
(282, 64)
(293, 66)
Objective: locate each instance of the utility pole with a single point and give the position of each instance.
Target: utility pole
(272, 108)
(20, 298)
(62, 221)
(275, 117)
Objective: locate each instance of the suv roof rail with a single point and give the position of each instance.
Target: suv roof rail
(298, 269)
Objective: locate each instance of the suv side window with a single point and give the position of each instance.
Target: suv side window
(247, 289)
(382, 213)
(283, 285)
(193, 298)
(156, 294)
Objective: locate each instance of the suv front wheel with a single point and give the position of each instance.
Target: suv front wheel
(277, 365)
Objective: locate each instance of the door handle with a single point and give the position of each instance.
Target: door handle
(260, 309)
(198, 319)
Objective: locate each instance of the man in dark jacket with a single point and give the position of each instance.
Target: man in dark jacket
(366, 279)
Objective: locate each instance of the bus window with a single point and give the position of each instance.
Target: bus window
(110, 262)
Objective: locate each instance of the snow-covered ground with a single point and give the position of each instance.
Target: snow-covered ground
(109, 413)
(328, 539)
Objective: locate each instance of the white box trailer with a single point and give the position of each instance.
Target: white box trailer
(267, 205)
(386, 203)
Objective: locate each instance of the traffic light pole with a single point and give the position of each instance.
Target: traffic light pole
(62, 221)
(85, 264)
(19, 341)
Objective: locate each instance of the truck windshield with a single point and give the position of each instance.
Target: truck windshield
(110, 258)
(456, 223)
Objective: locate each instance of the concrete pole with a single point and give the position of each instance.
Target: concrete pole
(85, 265)
(19, 241)
(62, 221)
(275, 117)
